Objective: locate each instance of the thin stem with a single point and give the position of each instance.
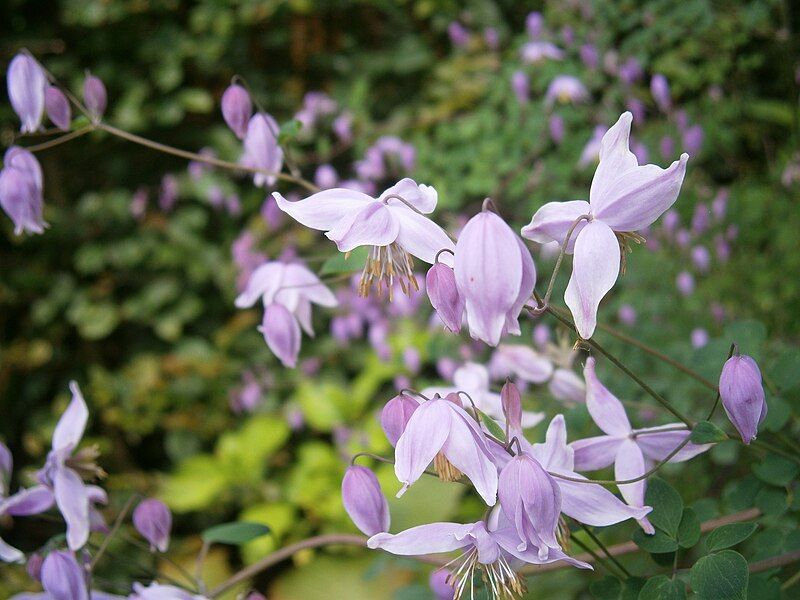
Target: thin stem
(114, 529)
(389, 461)
(775, 450)
(67, 137)
(198, 566)
(179, 568)
(596, 557)
(602, 547)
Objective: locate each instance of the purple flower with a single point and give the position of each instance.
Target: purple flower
(520, 361)
(743, 395)
(459, 36)
(630, 71)
(363, 500)
(556, 128)
(237, 108)
(94, 96)
(627, 315)
(534, 24)
(440, 429)
(693, 139)
(440, 585)
(566, 386)
(637, 109)
(685, 283)
(168, 193)
(627, 448)
(343, 127)
(720, 204)
(326, 177)
(699, 337)
(394, 224)
(537, 52)
(495, 275)
(492, 38)
(659, 87)
(520, 85)
(624, 197)
(261, 149)
(287, 291)
(57, 107)
(395, 416)
(591, 151)
(541, 335)
(21, 191)
(701, 258)
(63, 578)
(589, 56)
(26, 83)
(440, 284)
(153, 521)
(566, 89)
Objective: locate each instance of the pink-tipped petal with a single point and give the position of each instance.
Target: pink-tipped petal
(606, 409)
(552, 222)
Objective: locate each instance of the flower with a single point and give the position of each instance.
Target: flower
(363, 500)
(30, 501)
(624, 197)
(394, 225)
(57, 107)
(64, 469)
(153, 521)
(520, 85)
(743, 395)
(158, 591)
(441, 429)
(287, 291)
(627, 448)
(63, 578)
(492, 548)
(21, 191)
(495, 275)
(237, 108)
(261, 149)
(440, 585)
(395, 416)
(659, 87)
(566, 89)
(521, 361)
(440, 284)
(539, 51)
(94, 95)
(26, 82)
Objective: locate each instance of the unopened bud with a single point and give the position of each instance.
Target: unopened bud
(364, 501)
(440, 283)
(153, 521)
(94, 95)
(743, 395)
(395, 416)
(237, 108)
(57, 107)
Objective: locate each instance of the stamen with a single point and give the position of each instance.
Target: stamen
(445, 469)
(384, 265)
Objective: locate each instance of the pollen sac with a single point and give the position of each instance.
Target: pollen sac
(440, 283)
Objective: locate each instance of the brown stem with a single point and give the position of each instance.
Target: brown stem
(775, 561)
(63, 139)
(114, 529)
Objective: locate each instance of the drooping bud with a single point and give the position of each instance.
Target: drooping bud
(395, 416)
(57, 107)
(440, 585)
(153, 521)
(94, 95)
(512, 406)
(659, 87)
(6, 466)
(237, 108)
(282, 333)
(363, 500)
(63, 578)
(743, 395)
(262, 150)
(26, 82)
(440, 283)
(21, 200)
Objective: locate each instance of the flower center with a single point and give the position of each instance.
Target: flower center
(445, 469)
(501, 582)
(385, 266)
(84, 462)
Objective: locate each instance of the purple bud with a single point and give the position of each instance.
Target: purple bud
(63, 578)
(395, 416)
(627, 315)
(363, 500)
(722, 248)
(630, 71)
(237, 108)
(520, 86)
(343, 127)
(720, 204)
(659, 87)
(589, 56)
(693, 139)
(670, 222)
(683, 238)
(440, 586)
(512, 405)
(666, 146)
(700, 219)
(326, 177)
(168, 193)
(57, 107)
(94, 95)
(411, 359)
(682, 119)
(742, 395)
(440, 284)
(541, 335)
(26, 82)
(21, 200)
(639, 111)
(446, 367)
(459, 36)
(557, 128)
(492, 38)
(701, 258)
(534, 24)
(685, 283)
(153, 521)
(34, 566)
(699, 337)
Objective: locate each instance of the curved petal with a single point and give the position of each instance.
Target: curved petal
(629, 465)
(73, 503)
(423, 438)
(465, 447)
(553, 220)
(302, 312)
(606, 409)
(282, 333)
(594, 505)
(298, 281)
(373, 225)
(424, 539)
(595, 452)
(263, 282)
(420, 196)
(325, 209)
(71, 425)
(421, 237)
(527, 283)
(657, 446)
(10, 554)
(615, 159)
(508, 541)
(554, 454)
(30, 501)
(639, 196)
(594, 271)
(522, 361)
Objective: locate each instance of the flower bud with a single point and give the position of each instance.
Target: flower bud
(21, 200)
(153, 521)
(237, 108)
(440, 585)
(685, 283)
(63, 578)
(742, 395)
(282, 333)
(440, 283)
(57, 107)
(26, 82)
(94, 95)
(699, 337)
(659, 87)
(395, 416)
(556, 129)
(512, 406)
(364, 501)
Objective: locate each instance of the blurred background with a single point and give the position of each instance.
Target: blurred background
(130, 291)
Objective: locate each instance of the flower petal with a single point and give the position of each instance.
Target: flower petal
(421, 237)
(630, 464)
(554, 454)
(615, 159)
(595, 452)
(553, 220)
(527, 283)
(71, 425)
(30, 501)
(420, 196)
(373, 225)
(606, 409)
(423, 438)
(325, 209)
(657, 446)
(73, 503)
(594, 505)
(10, 554)
(594, 271)
(424, 539)
(263, 282)
(466, 449)
(282, 333)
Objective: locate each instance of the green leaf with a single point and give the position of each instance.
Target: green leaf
(237, 533)
(776, 470)
(289, 131)
(720, 576)
(608, 588)
(726, 536)
(345, 262)
(658, 543)
(667, 506)
(633, 585)
(492, 426)
(662, 587)
(706, 432)
(689, 529)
